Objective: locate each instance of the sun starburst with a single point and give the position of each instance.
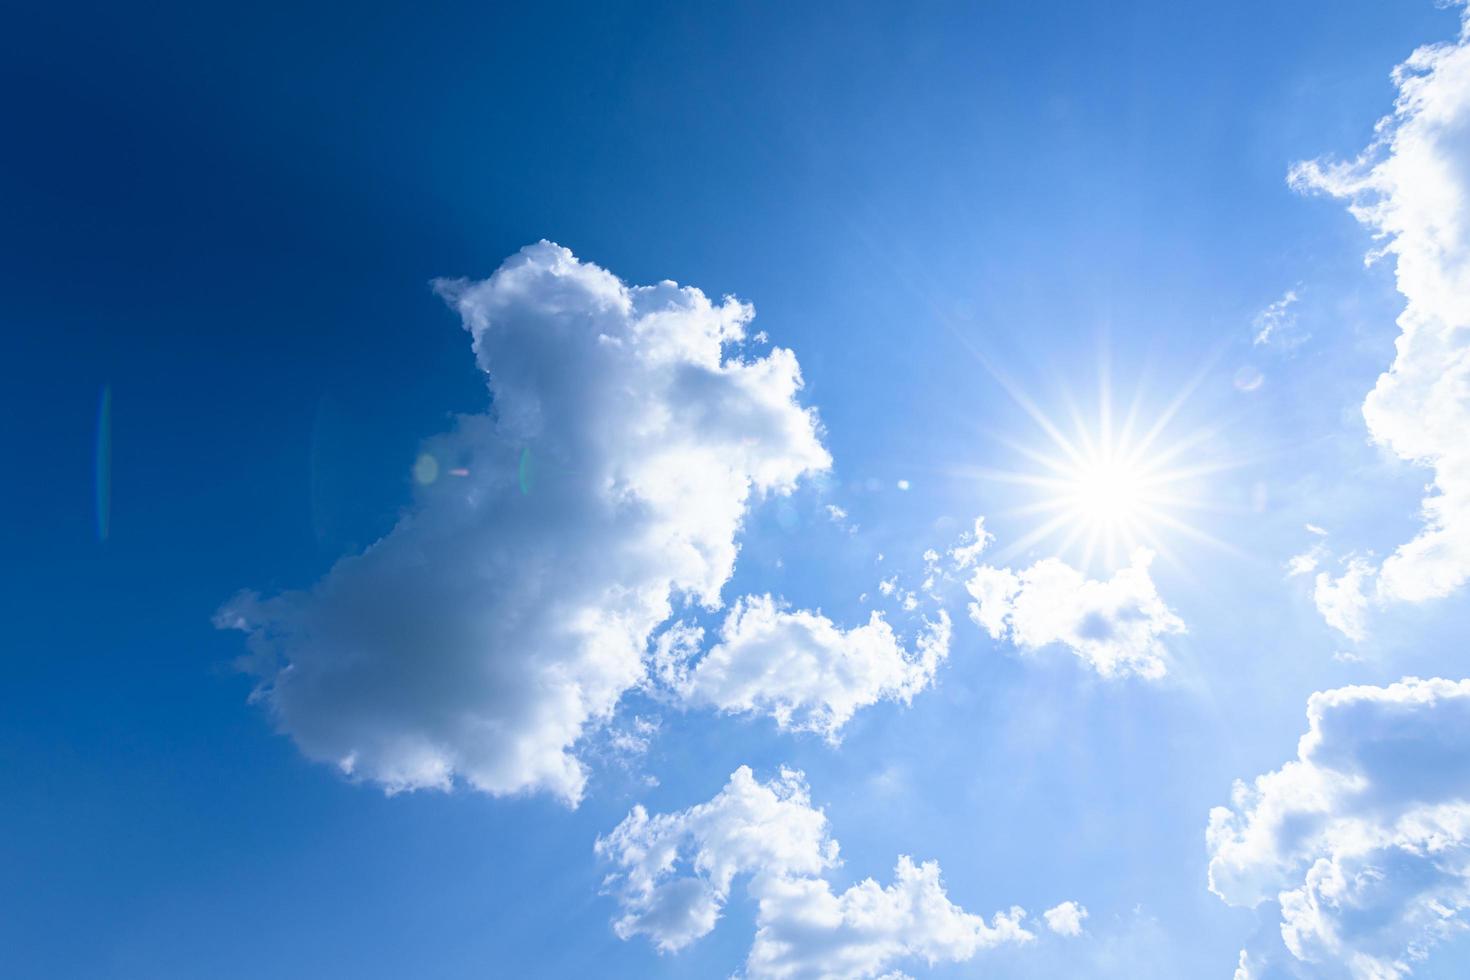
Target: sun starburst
(1102, 489)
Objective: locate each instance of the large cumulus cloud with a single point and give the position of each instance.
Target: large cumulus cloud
(1412, 188)
(511, 606)
(1363, 840)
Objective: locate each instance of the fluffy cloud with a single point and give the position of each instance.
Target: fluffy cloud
(806, 932)
(1113, 626)
(1364, 838)
(799, 667)
(510, 608)
(676, 871)
(1065, 919)
(763, 829)
(1412, 188)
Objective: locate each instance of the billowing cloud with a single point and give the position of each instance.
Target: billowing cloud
(1364, 839)
(676, 871)
(801, 668)
(1114, 626)
(1412, 188)
(511, 607)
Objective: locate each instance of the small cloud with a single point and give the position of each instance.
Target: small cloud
(1304, 563)
(1343, 601)
(798, 666)
(1065, 919)
(972, 544)
(903, 484)
(1116, 626)
(838, 516)
(1276, 324)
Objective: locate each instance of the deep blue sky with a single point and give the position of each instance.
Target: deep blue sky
(231, 217)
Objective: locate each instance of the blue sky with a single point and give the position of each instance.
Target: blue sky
(965, 223)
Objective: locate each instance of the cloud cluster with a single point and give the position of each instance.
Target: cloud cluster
(1114, 626)
(676, 871)
(1364, 838)
(798, 666)
(511, 606)
(1412, 188)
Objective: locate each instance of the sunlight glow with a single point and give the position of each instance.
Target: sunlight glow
(1108, 490)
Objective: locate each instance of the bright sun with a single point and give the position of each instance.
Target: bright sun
(1109, 489)
(1106, 491)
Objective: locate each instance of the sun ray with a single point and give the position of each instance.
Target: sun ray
(1102, 488)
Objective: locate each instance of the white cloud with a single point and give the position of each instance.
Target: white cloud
(1276, 324)
(803, 670)
(1304, 563)
(972, 544)
(1115, 626)
(1364, 839)
(676, 871)
(1343, 601)
(1412, 188)
(509, 609)
(1065, 919)
(749, 827)
(806, 932)
(838, 515)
